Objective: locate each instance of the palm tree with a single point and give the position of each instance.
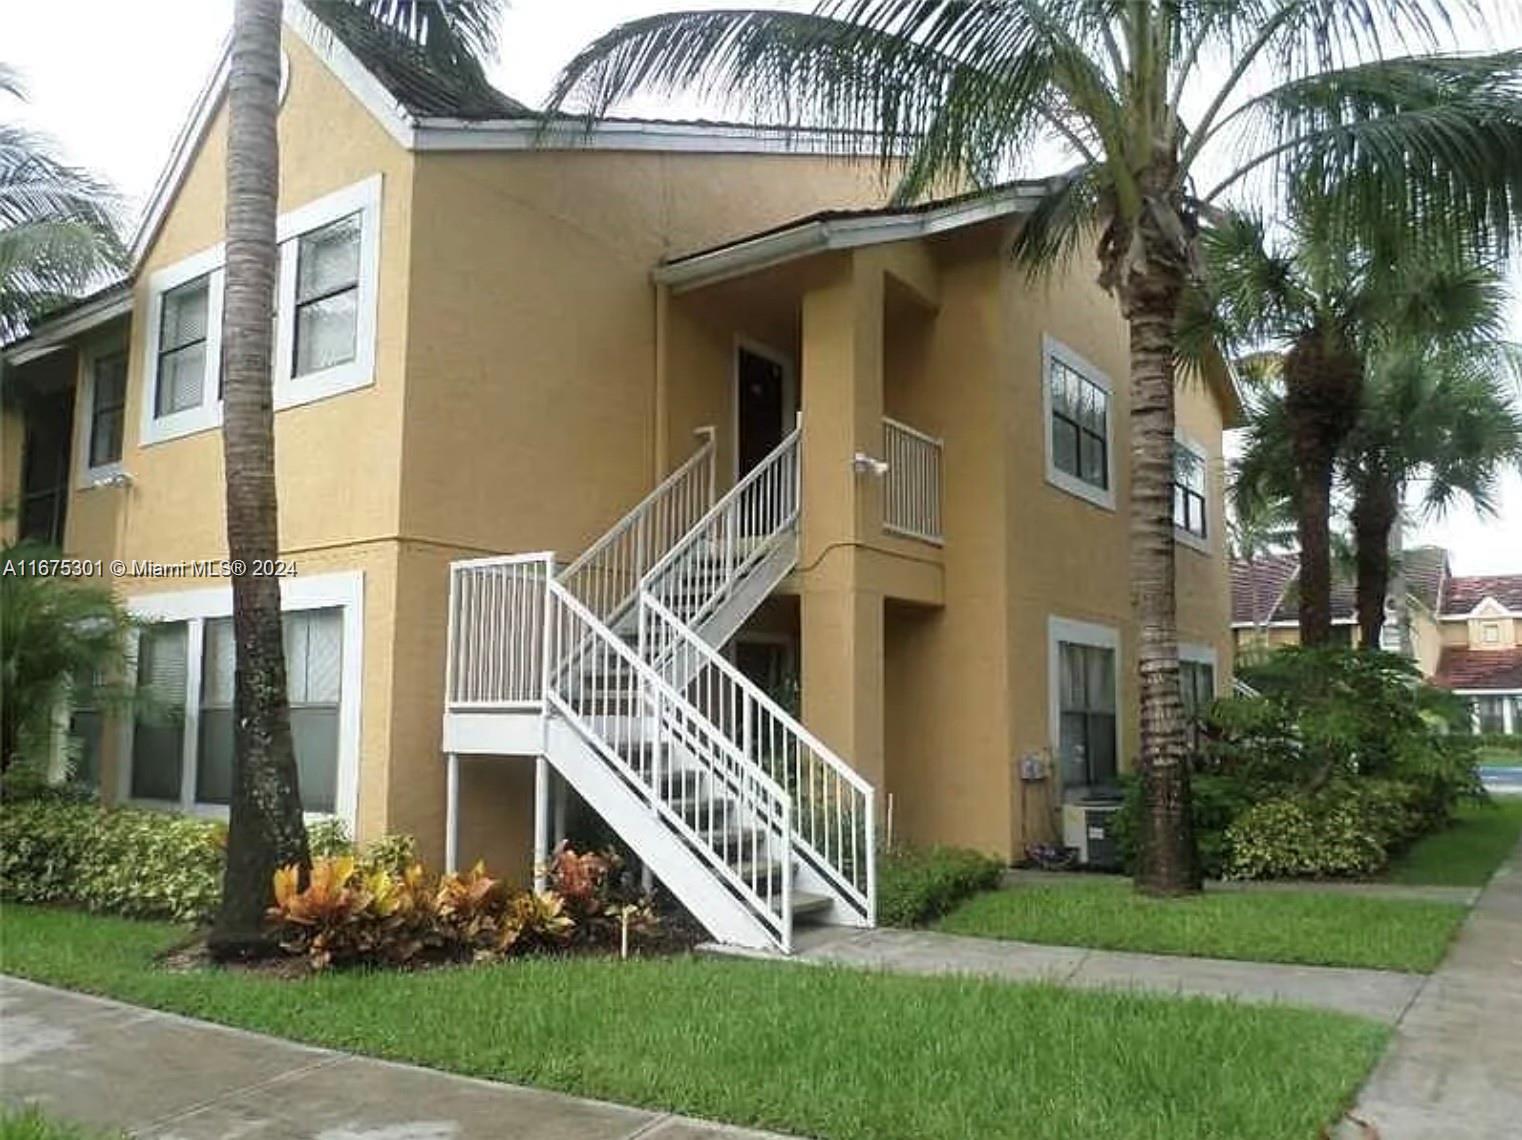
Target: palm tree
(951, 92)
(1442, 416)
(57, 225)
(265, 827)
(1326, 310)
(55, 634)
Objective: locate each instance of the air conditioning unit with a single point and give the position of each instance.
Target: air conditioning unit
(1089, 829)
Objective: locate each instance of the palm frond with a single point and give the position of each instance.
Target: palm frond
(1068, 215)
(1413, 142)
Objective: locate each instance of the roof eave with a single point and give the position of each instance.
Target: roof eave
(51, 335)
(828, 234)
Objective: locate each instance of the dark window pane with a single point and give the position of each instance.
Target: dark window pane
(1095, 469)
(1065, 446)
(214, 757)
(314, 730)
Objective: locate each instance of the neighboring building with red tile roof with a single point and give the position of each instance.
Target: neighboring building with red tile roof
(1462, 594)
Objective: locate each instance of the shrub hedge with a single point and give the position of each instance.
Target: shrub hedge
(1343, 760)
(144, 864)
(918, 884)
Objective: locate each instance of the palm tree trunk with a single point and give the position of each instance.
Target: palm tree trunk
(1375, 505)
(1323, 383)
(1167, 860)
(265, 826)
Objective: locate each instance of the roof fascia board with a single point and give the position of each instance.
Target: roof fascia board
(1285, 623)
(58, 332)
(834, 234)
(1485, 692)
(439, 133)
(371, 93)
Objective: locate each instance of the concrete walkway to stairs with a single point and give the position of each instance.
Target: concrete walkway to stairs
(1380, 994)
(153, 1074)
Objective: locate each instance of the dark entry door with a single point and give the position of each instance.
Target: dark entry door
(762, 400)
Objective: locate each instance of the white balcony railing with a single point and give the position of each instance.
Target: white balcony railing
(912, 486)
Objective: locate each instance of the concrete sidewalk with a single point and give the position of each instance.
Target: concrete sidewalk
(157, 1075)
(1454, 1070)
(1380, 994)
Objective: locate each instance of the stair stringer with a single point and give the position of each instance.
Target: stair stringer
(698, 887)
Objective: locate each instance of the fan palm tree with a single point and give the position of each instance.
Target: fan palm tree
(1326, 310)
(57, 225)
(1150, 96)
(265, 827)
(1439, 416)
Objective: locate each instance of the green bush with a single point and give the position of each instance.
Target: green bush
(1215, 803)
(918, 884)
(1350, 828)
(123, 860)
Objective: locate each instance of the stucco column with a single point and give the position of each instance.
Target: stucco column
(841, 613)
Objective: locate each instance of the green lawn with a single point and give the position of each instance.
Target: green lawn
(824, 1052)
(1467, 853)
(1494, 756)
(1313, 928)
(30, 1124)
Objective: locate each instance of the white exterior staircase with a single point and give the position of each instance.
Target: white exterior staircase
(611, 671)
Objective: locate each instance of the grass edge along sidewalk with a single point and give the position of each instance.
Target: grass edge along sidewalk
(824, 1052)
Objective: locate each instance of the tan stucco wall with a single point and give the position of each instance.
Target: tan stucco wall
(337, 468)
(926, 667)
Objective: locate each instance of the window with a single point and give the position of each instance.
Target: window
(158, 738)
(1490, 714)
(184, 323)
(324, 316)
(1197, 687)
(181, 751)
(1189, 490)
(1077, 398)
(327, 296)
(1491, 633)
(86, 730)
(1083, 680)
(108, 404)
(314, 670)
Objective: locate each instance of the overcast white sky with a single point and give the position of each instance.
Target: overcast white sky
(112, 81)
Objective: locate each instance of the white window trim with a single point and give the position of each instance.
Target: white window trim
(344, 590)
(208, 413)
(290, 391)
(1054, 349)
(1180, 534)
(1059, 630)
(85, 476)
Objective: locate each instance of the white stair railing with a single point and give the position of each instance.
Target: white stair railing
(494, 660)
(606, 577)
(698, 573)
(520, 641)
(834, 816)
(833, 806)
(730, 812)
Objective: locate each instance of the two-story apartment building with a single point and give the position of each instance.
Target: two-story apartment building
(824, 503)
(1463, 632)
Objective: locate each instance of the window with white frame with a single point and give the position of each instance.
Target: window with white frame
(182, 741)
(179, 383)
(325, 316)
(327, 296)
(108, 404)
(314, 672)
(1078, 425)
(1086, 732)
(1189, 513)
